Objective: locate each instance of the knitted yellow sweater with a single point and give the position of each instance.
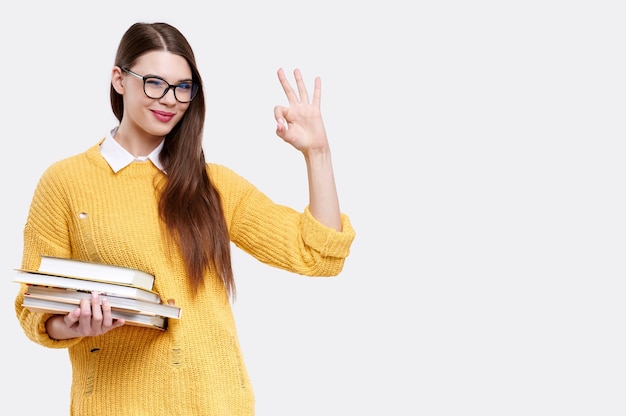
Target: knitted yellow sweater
(82, 209)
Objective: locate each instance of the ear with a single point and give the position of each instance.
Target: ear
(117, 80)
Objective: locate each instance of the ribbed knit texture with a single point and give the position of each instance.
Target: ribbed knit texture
(81, 209)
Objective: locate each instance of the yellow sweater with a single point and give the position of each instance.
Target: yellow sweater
(82, 209)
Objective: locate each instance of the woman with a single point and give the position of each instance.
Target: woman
(144, 197)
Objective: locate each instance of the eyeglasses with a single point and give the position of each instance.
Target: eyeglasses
(155, 87)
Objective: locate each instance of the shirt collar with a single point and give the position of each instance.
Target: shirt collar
(118, 158)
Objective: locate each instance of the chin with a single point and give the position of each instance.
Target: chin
(160, 131)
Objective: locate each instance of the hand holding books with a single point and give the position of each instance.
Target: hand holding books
(59, 285)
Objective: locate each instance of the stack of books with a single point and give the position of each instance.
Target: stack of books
(59, 284)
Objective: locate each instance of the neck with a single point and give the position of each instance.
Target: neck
(136, 144)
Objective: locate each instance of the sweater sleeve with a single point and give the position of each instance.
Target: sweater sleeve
(278, 235)
(45, 232)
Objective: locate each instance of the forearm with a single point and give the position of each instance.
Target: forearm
(323, 198)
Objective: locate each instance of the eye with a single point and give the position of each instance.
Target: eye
(155, 82)
(185, 86)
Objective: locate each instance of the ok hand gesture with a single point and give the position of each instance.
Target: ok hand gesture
(301, 123)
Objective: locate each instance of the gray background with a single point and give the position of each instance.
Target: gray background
(479, 151)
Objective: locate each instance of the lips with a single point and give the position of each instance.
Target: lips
(163, 116)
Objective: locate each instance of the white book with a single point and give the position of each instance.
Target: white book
(104, 288)
(131, 318)
(74, 297)
(96, 271)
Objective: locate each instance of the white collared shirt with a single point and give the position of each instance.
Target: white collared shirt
(118, 158)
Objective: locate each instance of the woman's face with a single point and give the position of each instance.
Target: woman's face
(154, 117)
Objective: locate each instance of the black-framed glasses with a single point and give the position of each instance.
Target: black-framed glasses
(156, 87)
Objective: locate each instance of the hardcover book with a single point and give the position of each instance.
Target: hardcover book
(96, 271)
(74, 297)
(104, 288)
(131, 318)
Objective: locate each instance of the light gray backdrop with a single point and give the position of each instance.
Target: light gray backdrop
(479, 151)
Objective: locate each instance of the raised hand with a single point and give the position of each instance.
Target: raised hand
(300, 124)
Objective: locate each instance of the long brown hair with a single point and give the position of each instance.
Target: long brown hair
(189, 204)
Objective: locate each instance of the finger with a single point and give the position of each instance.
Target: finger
(289, 92)
(304, 95)
(107, 319)
(117, 323)
(280, 113)
(96, 310)
(71, 318)
(317, 92)
(84, 321)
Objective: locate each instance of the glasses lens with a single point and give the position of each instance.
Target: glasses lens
(186, 91)
(154, 87)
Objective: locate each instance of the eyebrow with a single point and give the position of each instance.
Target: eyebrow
(163, 78)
